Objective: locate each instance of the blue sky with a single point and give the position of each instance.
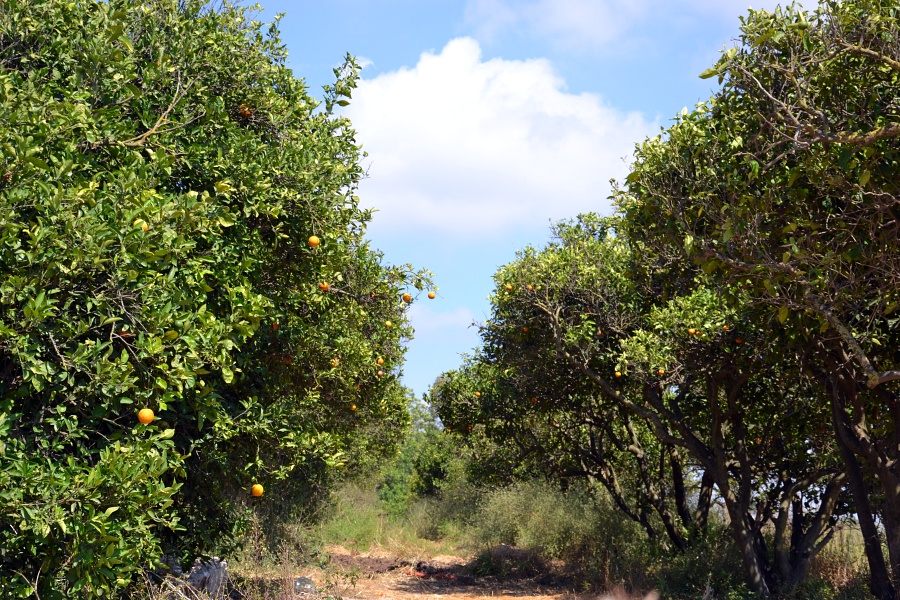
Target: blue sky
(485, 120)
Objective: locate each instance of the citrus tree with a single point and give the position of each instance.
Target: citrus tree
(783, 186)
(181, 234)
(648, 384)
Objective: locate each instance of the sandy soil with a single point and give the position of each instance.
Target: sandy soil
(375, 576)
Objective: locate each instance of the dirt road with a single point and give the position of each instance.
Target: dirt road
(375, 576)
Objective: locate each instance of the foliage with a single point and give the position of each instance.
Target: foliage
(782, 188)
(160, 172)
(591, 373)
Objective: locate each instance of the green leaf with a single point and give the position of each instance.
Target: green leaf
(783, 313)
(37, 162)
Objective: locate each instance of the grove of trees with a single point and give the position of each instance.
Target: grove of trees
(179, 231)
(731, 333)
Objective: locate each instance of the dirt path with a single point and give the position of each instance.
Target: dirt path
(375, 576)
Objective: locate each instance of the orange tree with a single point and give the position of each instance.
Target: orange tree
(649, 385)
(784, 186)
(162, 174)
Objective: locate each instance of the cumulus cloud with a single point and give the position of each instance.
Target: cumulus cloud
(595, 24)
(467, 146)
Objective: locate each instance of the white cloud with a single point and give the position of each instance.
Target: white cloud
(461, 145)
(595, 24)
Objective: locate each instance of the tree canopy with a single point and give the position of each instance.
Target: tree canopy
(739, 310)
(162, 177)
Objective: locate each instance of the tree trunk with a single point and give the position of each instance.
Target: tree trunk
(879, 579)
(704, 500)
(745, 538)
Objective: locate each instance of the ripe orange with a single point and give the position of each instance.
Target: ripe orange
(692, 331)
(142, 224)
(245, 110)
(724, 327)
(525, 329)
(352, 407)
(388, 324)
(275, 326)
(468, 428)
(380, 361)
(407, 298)
(431, 295)
(599, 332)
(529, 287)
(478, 394)
(257, 490)
(662, 371)
(146, 416)
(618, 373)
(508, 287)
(324, 286)
(380, 373)
(313, 241)
(534, 400)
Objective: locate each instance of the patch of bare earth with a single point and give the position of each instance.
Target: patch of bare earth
(377, 576)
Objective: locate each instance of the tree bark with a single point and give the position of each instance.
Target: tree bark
(880, 583)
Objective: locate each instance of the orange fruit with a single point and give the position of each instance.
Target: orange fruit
(662, 371)
(529, 287)
(599, 332)
(468, 428)
(431, 295)
(142, 224)
(508, 287)
(257, 490)
(334, 362)
(525, 329)
(618, 373)
(380, 361)
(324, 286)
(724, 327)
(388, 324)
(314, 241)
(352, 407)
(275, 326)
(478, 394)
(407, 298)
(380, 373)
(692, 331)
(245, 110)
(533, 400)
(146, 416)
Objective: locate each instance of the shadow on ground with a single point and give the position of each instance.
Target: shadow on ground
(500, 571)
